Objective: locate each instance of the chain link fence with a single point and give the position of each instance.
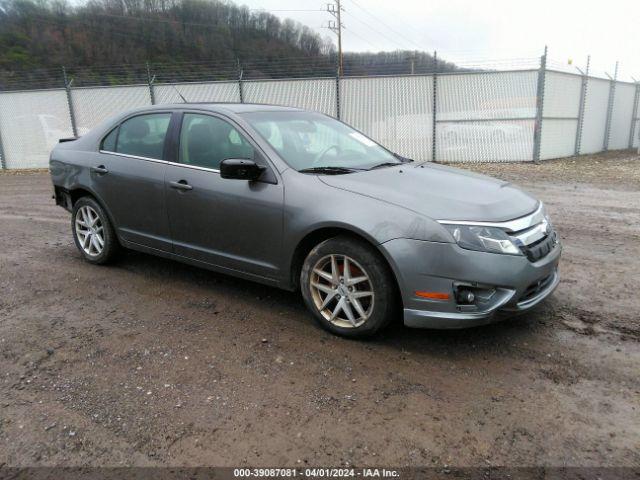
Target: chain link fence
(31, 123)
(529, 114)
(395, 111)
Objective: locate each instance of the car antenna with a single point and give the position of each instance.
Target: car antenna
(184, 100)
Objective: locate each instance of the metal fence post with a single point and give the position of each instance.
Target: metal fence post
(150, 81)
(634, 115)
(434, 106)
(72, 115)
(583, 99)
(3, 160)
(338, 94)
(612, 95)
(240, 86)
(537, 128)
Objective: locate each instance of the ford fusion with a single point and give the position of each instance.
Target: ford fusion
(301, 201)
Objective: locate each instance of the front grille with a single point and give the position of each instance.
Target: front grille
(541, 248)
(536, 287)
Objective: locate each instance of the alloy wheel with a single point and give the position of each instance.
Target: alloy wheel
(90, 231)
(342, 291)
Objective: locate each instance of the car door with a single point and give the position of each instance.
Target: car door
(233, 224)
(128, 176)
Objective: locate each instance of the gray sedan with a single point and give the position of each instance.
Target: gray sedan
(302, 201)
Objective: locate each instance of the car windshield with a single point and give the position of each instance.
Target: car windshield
(312, 142)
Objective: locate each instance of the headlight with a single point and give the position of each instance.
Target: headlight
(550, 230)
(483, 239)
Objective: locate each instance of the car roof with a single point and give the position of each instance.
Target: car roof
(223, 107)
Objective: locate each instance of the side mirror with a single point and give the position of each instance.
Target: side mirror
(236, 169)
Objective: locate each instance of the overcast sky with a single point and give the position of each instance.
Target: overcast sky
(465, 30)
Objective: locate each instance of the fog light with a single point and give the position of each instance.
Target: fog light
(465, 296)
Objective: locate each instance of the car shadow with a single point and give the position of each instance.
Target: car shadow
(437, 342)
(503, 334)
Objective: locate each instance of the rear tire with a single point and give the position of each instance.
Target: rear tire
(348, 287)
(93, 233)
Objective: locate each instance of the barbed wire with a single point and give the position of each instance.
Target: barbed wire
(260, 69)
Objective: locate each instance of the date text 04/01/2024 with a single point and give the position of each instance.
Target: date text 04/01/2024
(316, 472)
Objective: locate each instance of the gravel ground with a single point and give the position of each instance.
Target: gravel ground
(150, 362)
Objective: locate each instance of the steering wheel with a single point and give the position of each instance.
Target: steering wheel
(322, 154)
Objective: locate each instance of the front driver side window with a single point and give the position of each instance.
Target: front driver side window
(206, 140)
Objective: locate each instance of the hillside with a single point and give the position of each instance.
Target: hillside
(110, 41)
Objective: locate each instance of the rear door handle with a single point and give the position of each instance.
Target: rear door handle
(101, 169)
(181, 185)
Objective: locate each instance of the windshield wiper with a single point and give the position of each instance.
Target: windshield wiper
(386, 164)
(391, 164)
(403, 159)
(329, 170)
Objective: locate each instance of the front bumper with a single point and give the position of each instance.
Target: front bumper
(518, 283)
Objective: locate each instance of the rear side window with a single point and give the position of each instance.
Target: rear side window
(143, 136)
(109, 142)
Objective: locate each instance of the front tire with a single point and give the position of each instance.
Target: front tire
(93, 233)
(348, 287)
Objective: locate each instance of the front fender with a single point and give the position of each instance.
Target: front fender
(311, 205)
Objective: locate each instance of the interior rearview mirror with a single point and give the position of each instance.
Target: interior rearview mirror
(238, 169)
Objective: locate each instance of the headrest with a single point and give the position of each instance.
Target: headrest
(137, 129)
(200, 138)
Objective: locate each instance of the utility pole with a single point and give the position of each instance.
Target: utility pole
(336, 27)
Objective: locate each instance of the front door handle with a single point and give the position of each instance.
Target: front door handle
(181, 185)
(101, 169)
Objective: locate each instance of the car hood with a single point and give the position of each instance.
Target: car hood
(439, 192)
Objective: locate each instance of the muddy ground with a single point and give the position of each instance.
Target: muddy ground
(150, 362)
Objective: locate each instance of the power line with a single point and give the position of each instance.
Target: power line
(385, 24)
(273, 64)
(351, 32)
(376, 30)
(125, 32)
(293, 10)
(139, 35)
(407, 25)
